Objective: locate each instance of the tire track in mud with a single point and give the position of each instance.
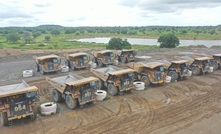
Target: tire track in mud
(108, 123)
(123, 118)
(177, 113)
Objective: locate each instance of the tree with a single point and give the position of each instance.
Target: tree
(55, 32)
(27, 37)
(13, 37)
(47, 38)
(168, 41)
(36, 34)
(118, 44)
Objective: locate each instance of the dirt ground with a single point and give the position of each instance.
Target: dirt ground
(188, 106)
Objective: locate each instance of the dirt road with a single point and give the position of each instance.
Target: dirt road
(189, 106)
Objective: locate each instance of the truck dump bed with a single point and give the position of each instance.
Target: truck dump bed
(60, 82)
(15, 89)
(103, 73)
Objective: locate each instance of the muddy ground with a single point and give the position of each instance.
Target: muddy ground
(188, 106)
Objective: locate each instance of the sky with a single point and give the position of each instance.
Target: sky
(110, 12)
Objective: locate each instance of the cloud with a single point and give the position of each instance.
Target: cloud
(169, 6)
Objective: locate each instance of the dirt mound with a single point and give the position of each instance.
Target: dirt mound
(198, 46)
(215, 47)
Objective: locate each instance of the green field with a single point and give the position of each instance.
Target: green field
(58, 35)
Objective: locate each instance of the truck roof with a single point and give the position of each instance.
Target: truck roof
(203, 58)
(123, 71)
(180, 61)
(71, 79)
(77, 54)
(15, 89)
(217, 54)
(127, 50)
(105, 51)
(47, 56)
(82, 81)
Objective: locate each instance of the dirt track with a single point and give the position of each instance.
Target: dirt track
(178, 107)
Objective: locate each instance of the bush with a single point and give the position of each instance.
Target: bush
(168, 41)
(118, 44)
(41, 45)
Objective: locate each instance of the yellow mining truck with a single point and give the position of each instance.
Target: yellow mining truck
(17, 101)
(179, 69)
(77, 60)
(216, 62)
(126, 55)
(149, 72)
(201, 65)
(74, 89)
(115, 79)
(46, 64)
(104, 57)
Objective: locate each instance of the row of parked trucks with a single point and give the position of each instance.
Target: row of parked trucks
(19, 100)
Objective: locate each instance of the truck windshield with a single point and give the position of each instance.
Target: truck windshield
(111, 54)
(30, 94)
(93, 84)
(161, 69)
(85, 57)
(55, 60)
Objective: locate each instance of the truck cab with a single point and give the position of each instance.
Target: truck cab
(74, 89)
(149, 72)
(104, 57)
(17, 101)
(77, 60)
(126, 55)
(46, 64)
(202, 65)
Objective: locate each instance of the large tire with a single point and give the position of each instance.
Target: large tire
(48, 108)
(56, 95)
(146, 80)
(112, 90)
(99, 63)
(70, 102)
(195, 70)
(173, 75)
(123, 59)
(215, 65)
(4, 118)
(34, 116)
(41, 71)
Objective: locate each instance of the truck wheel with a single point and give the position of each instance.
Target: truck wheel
(4, 119)
(99, 63)
(37, 67)
(146, 80)
(215, 65)
(99, 85)
(56, 95)
(70, 102)
(41, 71)
(123, 59)
(34, 116)
(72, 66)
(112, 90)
(173, 75)
(195, 70)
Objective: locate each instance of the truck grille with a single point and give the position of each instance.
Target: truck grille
(86, 95)
(107, 59)
(126, 83)
(19, 108)
(157, 76)
(50, 66)
(80, 62)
